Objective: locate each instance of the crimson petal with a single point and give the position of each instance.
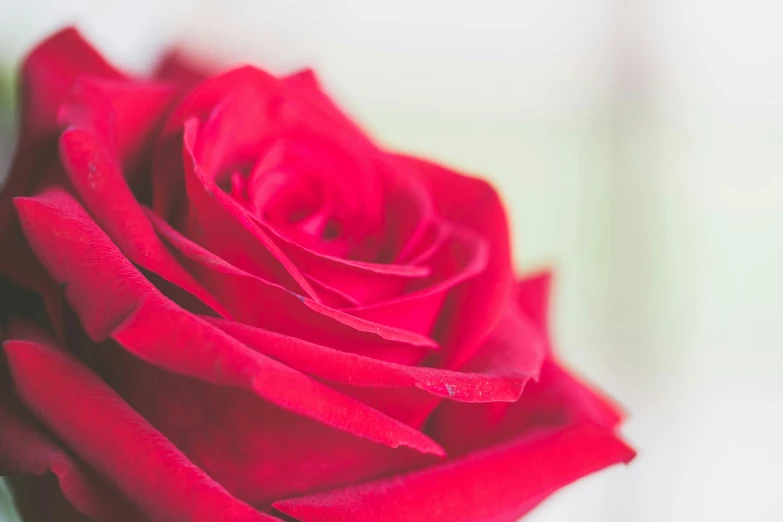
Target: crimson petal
(98, 179)
(499, 383)
(47, 74)
(26, 450)
(258, 451)
(500, 483)
(112, 299)
(474, 309)
(250, 300)
(95, 422)
(167, 178)
(462, 257)
(219, 225)
(533, 297)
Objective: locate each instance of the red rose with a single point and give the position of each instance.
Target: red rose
(221, 301)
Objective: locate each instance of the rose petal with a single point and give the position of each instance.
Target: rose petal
(256, 450)
(47, 74)
(516, 344)
(112, 299)
(363, 281)
(475, 307)
(497, 383)
(381, 228)
(500, 483)
(331, 296)
(100, 183)
(420, 250)
(168, 180)
(557, 400)
(307, 88)
(152, 329)
(250, 299)
(462, 256)
(176, 66)
(25, 449)
(532, 294)
(124, 114)
(219, 225)
(240, 126)
(100, 427)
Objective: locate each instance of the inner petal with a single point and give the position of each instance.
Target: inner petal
(296, 200)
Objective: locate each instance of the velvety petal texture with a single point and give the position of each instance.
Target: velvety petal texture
(221, 300)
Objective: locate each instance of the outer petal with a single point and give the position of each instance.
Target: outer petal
(177, 67)
(47, 75)
(532, 296)
(498, 484)
(97, 177)
(125, 115)
(112, 299)
(556, 401)
(475, 307)
(89, 416)
(259, 452)
(308, 89)
(49, 72)
(24, 449)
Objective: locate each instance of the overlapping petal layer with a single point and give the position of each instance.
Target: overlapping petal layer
(225, 302)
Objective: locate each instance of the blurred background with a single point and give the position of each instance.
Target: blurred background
(639, 147)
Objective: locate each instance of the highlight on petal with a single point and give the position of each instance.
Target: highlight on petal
(112, 299)
(88, 416)
(500, 483)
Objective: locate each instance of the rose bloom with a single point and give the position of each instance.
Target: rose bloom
(222, 301)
